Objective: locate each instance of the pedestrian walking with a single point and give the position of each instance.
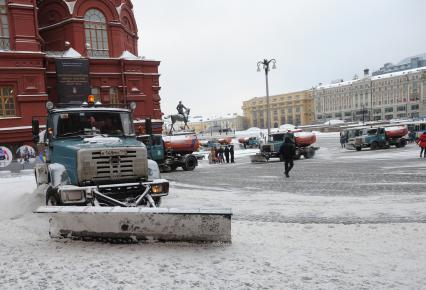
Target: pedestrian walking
(342, 140)
(287, 151)
(227, 154)
(412, 136)
(221, 158)
(422, 143)
(231, 152)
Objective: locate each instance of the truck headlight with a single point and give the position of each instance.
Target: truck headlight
(72, 196)
(160, 188)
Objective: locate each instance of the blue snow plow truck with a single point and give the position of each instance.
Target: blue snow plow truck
(99, 183)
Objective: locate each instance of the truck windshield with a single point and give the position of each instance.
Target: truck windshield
(278, 137)
(92, 123)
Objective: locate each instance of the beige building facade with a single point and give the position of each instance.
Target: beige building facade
(220, 124)
(388, 96)
(295, 108)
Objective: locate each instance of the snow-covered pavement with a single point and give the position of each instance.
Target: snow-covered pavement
(344, 220)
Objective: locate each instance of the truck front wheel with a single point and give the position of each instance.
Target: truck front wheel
(310, 153)
(52, 198)
(157, 201)
(297, 154)
(401, 143)
(189, 162)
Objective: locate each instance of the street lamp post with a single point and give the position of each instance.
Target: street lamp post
(265, 63)
(363, 113)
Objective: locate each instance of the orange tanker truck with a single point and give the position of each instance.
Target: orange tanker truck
(303, 140)
(171, 151)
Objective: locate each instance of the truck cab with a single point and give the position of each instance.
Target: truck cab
(92, 155)
(375, 137)
(154, 146)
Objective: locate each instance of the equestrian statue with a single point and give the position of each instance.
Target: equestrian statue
(181, 116)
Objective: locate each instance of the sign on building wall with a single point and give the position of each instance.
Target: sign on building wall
(72, 80)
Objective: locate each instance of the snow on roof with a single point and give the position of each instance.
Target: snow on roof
(78, 109)
(253, 129)
(70, 5)
(399, 73)
(119, 8)
(408, 59)
(384, 76)
(344, 83)
(129, 56)
(69, 53)
(334, 122)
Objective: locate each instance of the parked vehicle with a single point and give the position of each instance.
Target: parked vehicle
(376, 137)
(249, 142)
(302, 140)
(172, 151)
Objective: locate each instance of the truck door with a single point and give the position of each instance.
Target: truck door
(157, 148)
(146, 140)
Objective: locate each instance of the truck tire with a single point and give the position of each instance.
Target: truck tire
(358, 148)
(309, 153)
(297, 154)
(157, 201)
(52, 198)
(189, 162)
(401, 143)
(374, 146)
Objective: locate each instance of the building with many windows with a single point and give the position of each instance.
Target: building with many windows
(231, 122)
(383, 97)
(35, 34)
(412, 62)
(295, 108)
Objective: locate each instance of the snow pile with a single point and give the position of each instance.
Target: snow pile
(334, 122)
(253, 129)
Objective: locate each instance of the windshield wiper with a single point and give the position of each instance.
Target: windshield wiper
(74, 134)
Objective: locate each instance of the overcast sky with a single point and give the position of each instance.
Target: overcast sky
(209, 48)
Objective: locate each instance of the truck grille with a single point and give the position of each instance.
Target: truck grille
(104, 165)
(267, 148)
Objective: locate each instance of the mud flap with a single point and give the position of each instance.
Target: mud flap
(138, 224)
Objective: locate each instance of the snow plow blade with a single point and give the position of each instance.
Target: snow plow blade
(139, 224)
(258, 158)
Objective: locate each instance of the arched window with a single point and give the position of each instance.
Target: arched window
(4, 27)
(96, 33)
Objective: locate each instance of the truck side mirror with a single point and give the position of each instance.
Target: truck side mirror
(36, 131)
(148, 126)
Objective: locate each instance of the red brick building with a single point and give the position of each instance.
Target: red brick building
(35, 33)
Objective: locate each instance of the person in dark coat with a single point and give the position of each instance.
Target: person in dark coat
(227, 154)
(287, 151)
(221, 154)
(342, 140)
(231, 151)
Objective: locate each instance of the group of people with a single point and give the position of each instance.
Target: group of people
(222, 154)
